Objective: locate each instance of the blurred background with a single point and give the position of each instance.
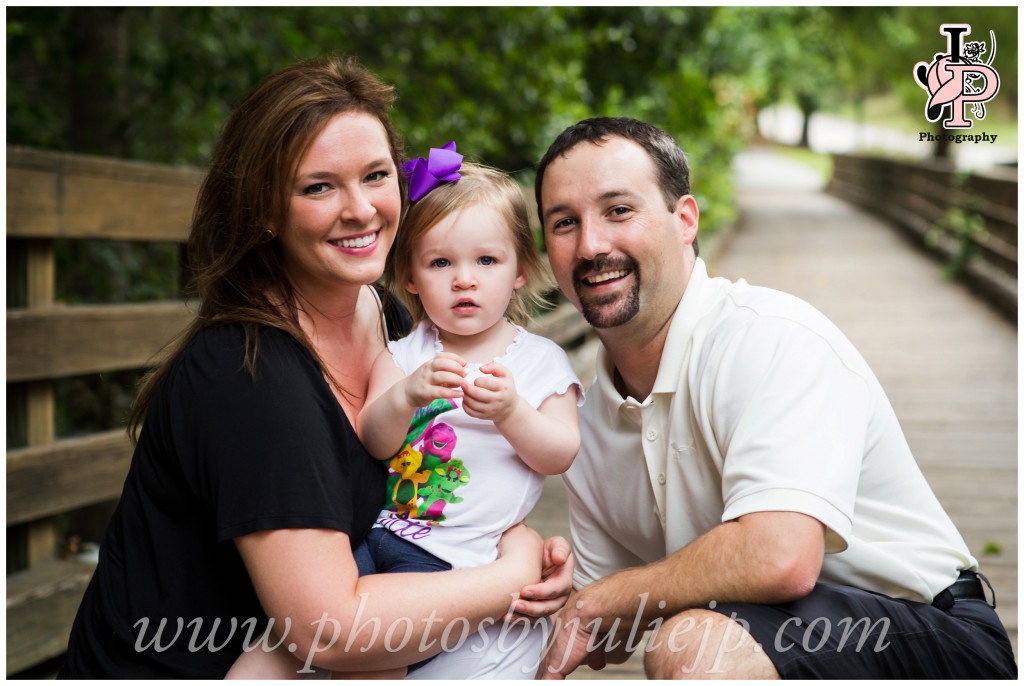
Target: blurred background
(154, 84)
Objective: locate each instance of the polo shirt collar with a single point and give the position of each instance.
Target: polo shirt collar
(691, 307)
(684, 320)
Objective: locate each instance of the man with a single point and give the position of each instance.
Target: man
(743, 487)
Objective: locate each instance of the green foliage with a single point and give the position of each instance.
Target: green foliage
(156, 83)
(965, 228)
(912, 35)
(501, 81)
(94, 402)
(819, 162)
(961, 230)
(116, 271)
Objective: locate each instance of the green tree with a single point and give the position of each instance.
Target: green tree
(155, 84)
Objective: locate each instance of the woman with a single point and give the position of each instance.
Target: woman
(248, 488)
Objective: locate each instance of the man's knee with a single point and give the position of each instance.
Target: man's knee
(702, 644)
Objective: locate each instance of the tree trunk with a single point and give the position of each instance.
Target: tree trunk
(808, 104)
(943, 150)
(98, 45)
(805, 128)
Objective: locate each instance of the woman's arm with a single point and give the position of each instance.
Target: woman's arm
(307, 582)
(392, 399)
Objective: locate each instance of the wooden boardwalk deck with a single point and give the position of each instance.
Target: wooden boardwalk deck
(947, 361)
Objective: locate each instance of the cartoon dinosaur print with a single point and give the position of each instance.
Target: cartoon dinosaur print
(440, 489)
(405, 481)
(424, 418)
(437, 443)
(411, 467)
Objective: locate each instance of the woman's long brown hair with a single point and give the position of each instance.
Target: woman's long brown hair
(237, 274)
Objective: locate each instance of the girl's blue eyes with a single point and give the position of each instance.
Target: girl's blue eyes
(441, 262)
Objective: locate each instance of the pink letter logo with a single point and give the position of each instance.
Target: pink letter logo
(950, 79)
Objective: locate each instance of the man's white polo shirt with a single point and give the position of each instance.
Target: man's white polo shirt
(760, 404)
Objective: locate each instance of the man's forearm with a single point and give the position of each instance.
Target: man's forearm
(762, 558)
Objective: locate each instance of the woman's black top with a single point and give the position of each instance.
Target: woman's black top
(221, 455)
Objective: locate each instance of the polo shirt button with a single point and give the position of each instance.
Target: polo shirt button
(661, 479)
(652, 434)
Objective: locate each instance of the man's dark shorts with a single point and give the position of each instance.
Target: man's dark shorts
(839, 632)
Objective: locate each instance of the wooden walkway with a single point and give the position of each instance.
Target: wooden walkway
(947, 361)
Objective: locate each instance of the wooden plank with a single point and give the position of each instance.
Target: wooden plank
(78, 196)
(64, 475)
(915, 197)
(64, 341)
(1003, 230)
(939, 375)
(41, 606)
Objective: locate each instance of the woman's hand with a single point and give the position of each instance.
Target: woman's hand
(548, 596)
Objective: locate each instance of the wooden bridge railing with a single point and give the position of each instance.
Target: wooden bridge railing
(56, 196)
(52, 196)
(969, 219)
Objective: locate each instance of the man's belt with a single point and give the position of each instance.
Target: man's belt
(967, 587)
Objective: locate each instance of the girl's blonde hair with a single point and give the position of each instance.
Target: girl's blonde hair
(479, 185)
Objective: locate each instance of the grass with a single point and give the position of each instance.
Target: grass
(819, 162)
(890, 113)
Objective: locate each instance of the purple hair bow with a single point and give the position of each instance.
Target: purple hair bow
(425, 174)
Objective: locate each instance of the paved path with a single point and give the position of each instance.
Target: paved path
(947, 361)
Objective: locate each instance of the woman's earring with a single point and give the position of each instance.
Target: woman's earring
(271, 235)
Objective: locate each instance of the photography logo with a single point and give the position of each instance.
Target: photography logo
(959, 78)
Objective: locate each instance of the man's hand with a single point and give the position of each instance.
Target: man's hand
(569, 647)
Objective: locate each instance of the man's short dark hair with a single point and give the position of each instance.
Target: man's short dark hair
(668, 158)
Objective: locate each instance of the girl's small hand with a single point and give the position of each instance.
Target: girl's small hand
(441, 377)
(493, 396)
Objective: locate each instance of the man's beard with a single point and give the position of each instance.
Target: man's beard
(599, 311)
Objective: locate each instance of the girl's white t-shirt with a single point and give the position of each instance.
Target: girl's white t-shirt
(457, 484)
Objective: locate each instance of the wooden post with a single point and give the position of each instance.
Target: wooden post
(39, 401)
